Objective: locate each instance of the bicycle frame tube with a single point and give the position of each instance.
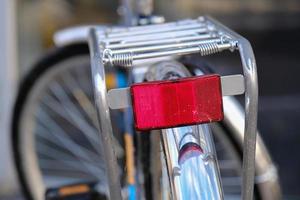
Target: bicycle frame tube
(251, 101)
(105, 126)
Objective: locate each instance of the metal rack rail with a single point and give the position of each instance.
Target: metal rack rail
(123, 46)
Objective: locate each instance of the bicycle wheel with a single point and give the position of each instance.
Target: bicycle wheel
(55, 136)
(228, 135)
(35, 175)
(228, 150)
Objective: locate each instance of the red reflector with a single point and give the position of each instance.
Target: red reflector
(186, 101)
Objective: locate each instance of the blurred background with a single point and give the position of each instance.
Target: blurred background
(272, 26)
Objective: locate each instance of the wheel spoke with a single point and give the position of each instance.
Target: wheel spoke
(72, 114)
(52, 152)
(59, 133)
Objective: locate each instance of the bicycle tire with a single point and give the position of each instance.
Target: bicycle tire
(42, 67)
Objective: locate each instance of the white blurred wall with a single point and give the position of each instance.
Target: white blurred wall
(8, 82)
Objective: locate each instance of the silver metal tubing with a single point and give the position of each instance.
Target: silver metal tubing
(105, 126)
(154, 36)
(233, 41)
(166, 46)
(127, 59)
(234, 120)
(153, 30)
(151, 26)
(161, 42)
(251, 101)
(236, 123)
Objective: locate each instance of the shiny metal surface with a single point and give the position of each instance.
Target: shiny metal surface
(105, 126)
(197, 177)
(160, 42)
(232, 85)
(266, 174)
(165, 46)
(188, 152)
(155, 29)
(120, 97)
(251, 101)
(204, 49)
(230, 41)
(71, 35)
(155, 36)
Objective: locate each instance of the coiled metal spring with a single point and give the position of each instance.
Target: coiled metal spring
(209, 48)
(124, 59)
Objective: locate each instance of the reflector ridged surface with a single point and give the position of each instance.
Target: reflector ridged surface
(165, 104)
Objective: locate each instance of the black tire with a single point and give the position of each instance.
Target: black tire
(53, 57)
(41, 68)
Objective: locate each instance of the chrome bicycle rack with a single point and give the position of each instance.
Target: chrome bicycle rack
(126, 46)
